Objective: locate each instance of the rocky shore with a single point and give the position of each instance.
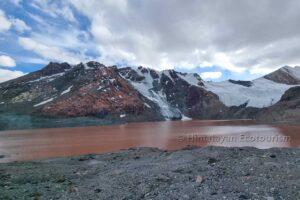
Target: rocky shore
(147, 173)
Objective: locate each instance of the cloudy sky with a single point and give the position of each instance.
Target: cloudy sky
(239, 39)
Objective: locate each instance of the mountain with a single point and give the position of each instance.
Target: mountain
(287, 109)
(285, 75)
(137, 94)
(176, 94)
(89, 89)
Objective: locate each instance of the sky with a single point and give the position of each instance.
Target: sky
(225, 39)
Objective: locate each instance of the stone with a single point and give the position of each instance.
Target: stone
(199, 179)
(270, 198)
(163, 178)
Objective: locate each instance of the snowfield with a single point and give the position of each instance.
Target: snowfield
(263, 92)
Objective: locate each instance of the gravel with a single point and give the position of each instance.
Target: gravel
(149, 173)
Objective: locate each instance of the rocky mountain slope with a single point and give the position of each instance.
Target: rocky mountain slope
(286, 110)
(286, 75)
(142, 94)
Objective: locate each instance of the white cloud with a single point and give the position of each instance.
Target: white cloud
(6, 61)
(50, 52)
(211, 75)
(260, 71)
(166, 34)
(55, 9)
(5, 24)
(52, 42)
(38, 19)
(20, 25)
(16, 2)
(33, 60)
(6, 75)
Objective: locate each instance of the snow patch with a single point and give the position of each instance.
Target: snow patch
(112, 80)
(167, 73)
(43, 102)
(86, 67)
(189, 78)
(48, 78)
(67, 90)
(103, 71)
(185, 118)
(100, 87)
(147, 105)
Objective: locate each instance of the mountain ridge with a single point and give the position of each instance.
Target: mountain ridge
(128, 94)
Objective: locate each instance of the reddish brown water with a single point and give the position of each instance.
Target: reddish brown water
(47, 143)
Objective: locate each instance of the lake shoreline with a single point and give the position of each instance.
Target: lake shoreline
(16, 121)
(169, 135)
(150, 173)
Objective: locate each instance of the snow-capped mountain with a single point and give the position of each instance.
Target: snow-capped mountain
(176, 94)
(139, 94)
(285, 75)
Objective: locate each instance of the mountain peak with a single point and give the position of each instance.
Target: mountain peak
(294, 71)
(94, 64)
(285, 75)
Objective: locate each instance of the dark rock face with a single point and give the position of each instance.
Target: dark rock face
(243, 83)
(202, 104)
(291, 94)
(54, 68)
(175, 90)
(242, 112)
(286, 110)
(154, 74)
(95, 65)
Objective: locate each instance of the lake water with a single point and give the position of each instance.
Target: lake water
(58, 142)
